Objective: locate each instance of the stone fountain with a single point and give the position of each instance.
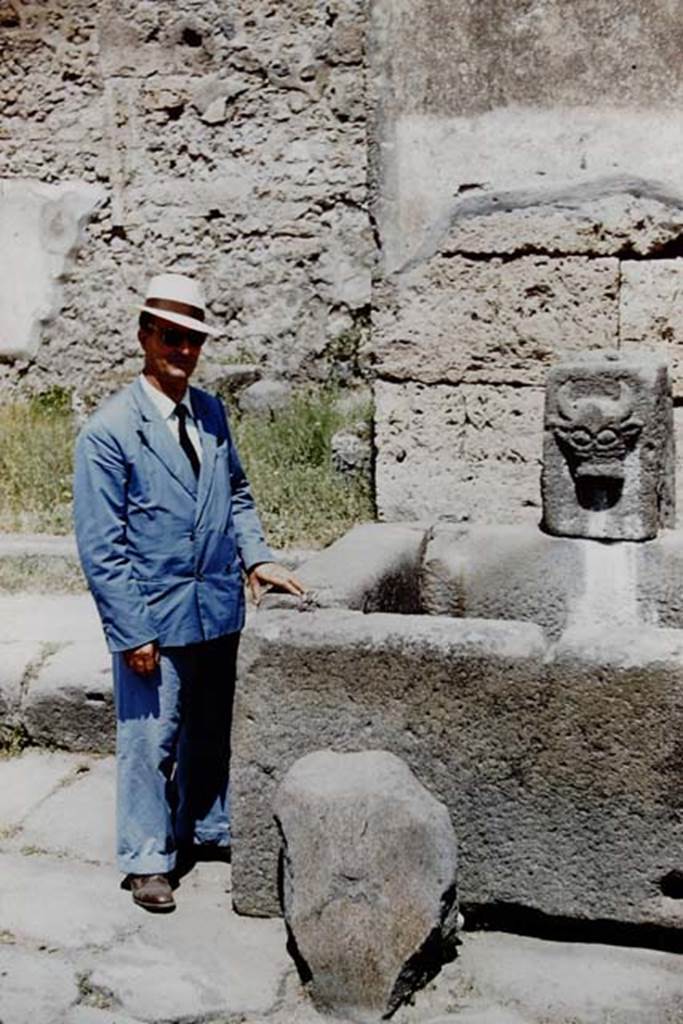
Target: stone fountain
(531, 678)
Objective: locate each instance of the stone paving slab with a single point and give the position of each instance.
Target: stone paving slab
(78, 819)
(27, 781)
(16, 657)
(49, 982)
(54, 618)
(56, 903)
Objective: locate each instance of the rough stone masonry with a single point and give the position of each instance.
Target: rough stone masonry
(226, 139)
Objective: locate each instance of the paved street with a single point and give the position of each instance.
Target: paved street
(75, 950)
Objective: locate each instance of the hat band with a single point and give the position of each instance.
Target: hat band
(177, 307)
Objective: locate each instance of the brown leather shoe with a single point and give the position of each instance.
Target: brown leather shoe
(153, 892)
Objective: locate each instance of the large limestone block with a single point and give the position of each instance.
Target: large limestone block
(607, 217)
(457, 320)
(545, 111)
(369, 879)
(460, 453)
(608, 447)
(40, 227)
(651, 311)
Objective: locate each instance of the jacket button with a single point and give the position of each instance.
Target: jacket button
(192, 535)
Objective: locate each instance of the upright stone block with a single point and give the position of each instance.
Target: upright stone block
(608, 448)
(369, 860)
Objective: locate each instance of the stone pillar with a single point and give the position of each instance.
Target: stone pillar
(369, 859)
(608, 451)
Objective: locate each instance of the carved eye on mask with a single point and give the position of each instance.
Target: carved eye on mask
(607, 438)
(581, 439)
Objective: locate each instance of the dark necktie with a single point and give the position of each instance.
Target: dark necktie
(184, 438)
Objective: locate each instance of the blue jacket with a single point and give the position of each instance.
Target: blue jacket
(163, 553)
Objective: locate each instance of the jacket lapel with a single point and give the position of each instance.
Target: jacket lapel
(209, 452)
(158, 438)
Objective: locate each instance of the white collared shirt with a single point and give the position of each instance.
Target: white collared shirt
(166, 407)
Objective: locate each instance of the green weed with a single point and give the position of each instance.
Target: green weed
(301, 499)
(36, 441)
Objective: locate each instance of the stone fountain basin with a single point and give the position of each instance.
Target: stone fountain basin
(557, 750)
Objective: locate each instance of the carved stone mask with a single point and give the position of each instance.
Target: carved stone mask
(595, 432)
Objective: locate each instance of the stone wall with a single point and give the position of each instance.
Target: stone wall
(528, 195)
(223, 139)
(513, 174)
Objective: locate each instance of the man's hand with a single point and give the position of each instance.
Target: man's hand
(269, 574)
(143, 660)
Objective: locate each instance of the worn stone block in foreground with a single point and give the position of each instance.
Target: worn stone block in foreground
(608, 448)
(369, 879)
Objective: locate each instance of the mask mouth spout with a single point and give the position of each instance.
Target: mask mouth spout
(611, 469)
(598, 493)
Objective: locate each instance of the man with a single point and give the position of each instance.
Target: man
(166, 526)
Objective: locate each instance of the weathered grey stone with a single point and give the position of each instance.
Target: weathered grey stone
(503, 572)
(454, 320)
(70, 703)
(459, 453)
(651, 311)
(369, 879)
(27, 780)
(483, 1015)
(608, 451)
(363, 700)
(35, 987)
(564, 777)
(372, 567)
(40, 227)
(77, 820)
(351, 454)
(265, 396)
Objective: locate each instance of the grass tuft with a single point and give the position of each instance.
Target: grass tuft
(36, 441)
(302, 500)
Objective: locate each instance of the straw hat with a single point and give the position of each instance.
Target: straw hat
(179, 300)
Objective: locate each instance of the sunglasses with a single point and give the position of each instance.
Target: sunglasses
(174, 337)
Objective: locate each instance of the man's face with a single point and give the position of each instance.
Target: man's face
(171, 353)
